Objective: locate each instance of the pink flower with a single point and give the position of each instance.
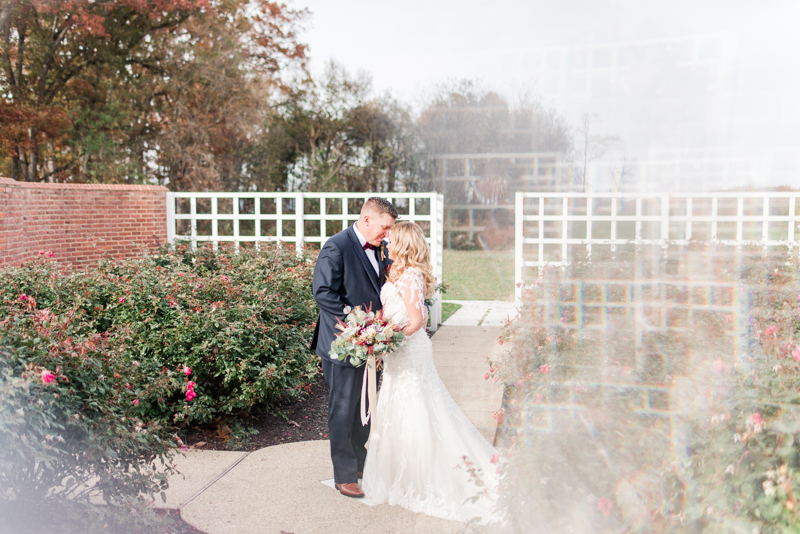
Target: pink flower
(495, 458)
(796, 353)
(172, 303)
(180, 274)
(127, 386)
(486, 376)
(135, 402)
(23, 297)
(190, 395)
(770, 330)
(41, 253)
(49, 254)
(719, 366)
(604, 505)
(47, 376)
(190, 385)
(121, 300)
(543, 370)
(756, 419)
(224, 278)
(187, 370)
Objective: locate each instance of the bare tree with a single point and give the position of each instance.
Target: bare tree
(621, 171)
(590, 147)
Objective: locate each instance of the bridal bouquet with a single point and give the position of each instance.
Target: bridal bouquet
(365, 336)
(364, 333)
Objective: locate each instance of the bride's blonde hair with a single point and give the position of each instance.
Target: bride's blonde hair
(410, 249)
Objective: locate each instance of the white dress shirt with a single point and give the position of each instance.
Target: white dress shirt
(373, 259)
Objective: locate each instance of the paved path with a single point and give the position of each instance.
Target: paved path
(280, 489)
(481, 313)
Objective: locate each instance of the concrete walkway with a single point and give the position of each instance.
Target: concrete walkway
(281, 488)
(481, 313)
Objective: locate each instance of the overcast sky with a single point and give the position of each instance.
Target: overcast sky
(408, 46)
(747, 96)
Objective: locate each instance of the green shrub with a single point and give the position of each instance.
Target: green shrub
(71, 425)
(241, 321)
(137, 350)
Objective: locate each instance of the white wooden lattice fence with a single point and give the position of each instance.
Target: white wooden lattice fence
(548, 225)
(298, 218)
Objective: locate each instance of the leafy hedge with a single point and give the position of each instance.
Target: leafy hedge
(102, 367)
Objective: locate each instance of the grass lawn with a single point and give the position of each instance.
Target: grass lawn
(448, 309)
(479, 275)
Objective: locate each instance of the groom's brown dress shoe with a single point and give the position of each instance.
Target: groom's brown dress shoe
(361, 474)
(350, 490)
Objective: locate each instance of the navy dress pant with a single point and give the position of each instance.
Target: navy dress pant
(348, 436)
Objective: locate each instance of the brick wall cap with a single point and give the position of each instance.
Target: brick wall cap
(8, 182)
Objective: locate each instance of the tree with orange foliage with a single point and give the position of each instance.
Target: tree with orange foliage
(131, 90)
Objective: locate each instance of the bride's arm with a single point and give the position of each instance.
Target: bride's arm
(412, 289)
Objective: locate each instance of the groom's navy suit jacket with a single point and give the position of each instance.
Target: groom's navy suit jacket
(343, 277)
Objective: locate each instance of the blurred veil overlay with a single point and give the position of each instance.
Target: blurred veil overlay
(653, 389)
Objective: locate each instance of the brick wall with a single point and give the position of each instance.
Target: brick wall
(68, 218)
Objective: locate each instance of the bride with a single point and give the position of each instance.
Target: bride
(423, 454)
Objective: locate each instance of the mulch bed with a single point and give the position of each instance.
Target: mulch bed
(305, 419)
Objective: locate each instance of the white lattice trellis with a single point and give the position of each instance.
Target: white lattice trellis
(285, 217)
(554, 222)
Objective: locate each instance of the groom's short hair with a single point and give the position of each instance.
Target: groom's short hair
(379, 206)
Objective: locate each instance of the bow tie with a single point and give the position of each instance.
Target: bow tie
(369, 246)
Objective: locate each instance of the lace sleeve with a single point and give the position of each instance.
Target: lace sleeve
(411, 286)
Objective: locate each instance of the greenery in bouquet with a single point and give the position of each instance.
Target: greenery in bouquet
(364, 332)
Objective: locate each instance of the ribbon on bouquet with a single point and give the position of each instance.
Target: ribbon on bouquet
(369, 388)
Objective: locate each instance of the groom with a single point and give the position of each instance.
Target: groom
(350, 271)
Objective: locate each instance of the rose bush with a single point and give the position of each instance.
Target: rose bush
(240, 320)
(102, 368)
(70, 427)
(587, 452)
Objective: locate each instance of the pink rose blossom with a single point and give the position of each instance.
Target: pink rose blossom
(41, 253)
(121, 300)
(486, 376)
(180, 274)
(495, 458)
(190, 385)
(543, 370)
(187, 370)
(190, 395)
(719, 366)
(47, 376)
(135, 402)
(756, 419)
(770, 330)
(49, 254)
(796, 353)
(23, 297)
(604, 505)
(224, 278)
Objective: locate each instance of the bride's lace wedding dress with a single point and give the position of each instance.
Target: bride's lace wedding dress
(423, 452)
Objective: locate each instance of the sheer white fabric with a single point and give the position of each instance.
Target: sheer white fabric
(421, 442)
